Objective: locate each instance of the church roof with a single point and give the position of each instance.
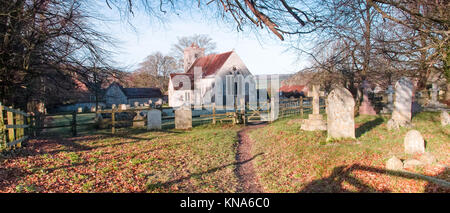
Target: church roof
(210, 64)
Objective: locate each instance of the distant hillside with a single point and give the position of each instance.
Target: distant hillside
(300, 78)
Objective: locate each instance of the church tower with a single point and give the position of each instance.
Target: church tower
(191, 54)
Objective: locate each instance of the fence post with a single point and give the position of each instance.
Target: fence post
(74, 123)
(214, 113)
(113, 122)
(10, 118)
(28, 122)
(3, 143)
(301, 106)
(18, 130)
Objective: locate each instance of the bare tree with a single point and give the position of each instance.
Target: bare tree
(203, 41)
(154, 71)
(44, 46)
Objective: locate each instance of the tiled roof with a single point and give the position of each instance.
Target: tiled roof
(210, 64)
(140, 92)
(297, 88)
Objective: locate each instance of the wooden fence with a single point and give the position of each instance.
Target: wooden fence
(15, 127)
(295, 106)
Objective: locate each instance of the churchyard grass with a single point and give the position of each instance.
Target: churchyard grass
(302, 161)
(133, 160)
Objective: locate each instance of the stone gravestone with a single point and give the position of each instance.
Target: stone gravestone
(153, 119)
(138, 120)
(414, 143)
(366, 107)
(434, 102)
(159, 102)
(183, 117)
(445, 118)
(401, 115)
(314, 121)
(390, 99)
(122, 107)
(340, 114)
(434, 93)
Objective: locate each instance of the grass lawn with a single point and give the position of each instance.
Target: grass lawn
(299, 161)
(201, 160)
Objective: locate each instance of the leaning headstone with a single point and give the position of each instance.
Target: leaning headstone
(340, 114)
(414, 143)
(183, 117)
(366, 107)
(394, 164)
(153, 119)
(445, 118)
(401, 115)
(314, 121)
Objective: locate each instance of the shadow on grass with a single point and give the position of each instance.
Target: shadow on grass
(167, 184)
(366, 127)
(341, 174)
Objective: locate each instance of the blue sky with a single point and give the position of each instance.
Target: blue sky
(263, 53)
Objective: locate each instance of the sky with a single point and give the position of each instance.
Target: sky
(262, 52)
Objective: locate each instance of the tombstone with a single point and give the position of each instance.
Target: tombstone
(183, 117)
(122, 107)
(153, 119)
(401, 115)
(138, 120)
(340, 114)
(434, 93)
(314, 121)
(159, 102)
(434, 102)
(445, 118)
(390, 99)
(414, 143)
(80, 109)
(366, 107)
(394, 164)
